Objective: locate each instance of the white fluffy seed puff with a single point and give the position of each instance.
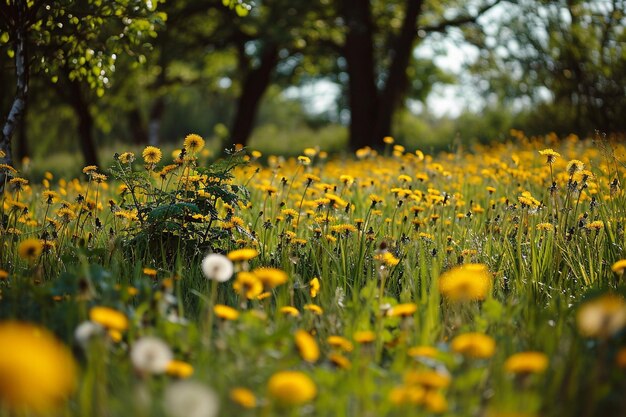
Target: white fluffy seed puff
(150, 355)
(217, 267)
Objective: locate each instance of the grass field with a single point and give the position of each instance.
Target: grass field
(483, 282)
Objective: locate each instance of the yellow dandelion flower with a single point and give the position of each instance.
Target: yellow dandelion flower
(151, 155)
(388, 140)
(291, 388)
(289, 311)
(364, 336)
(423, 351)
(314, 287)
(546, 227)
(435, 402)
(30, 249)
(427, 379)
(304, 160)
(225, 312)
(602, 317)
(526, 363)
(108, 318)
(619, 267)
(469, 282)
(314, 308)
(339, 361)
(193, 143)
(38, 371)
(474, 345)
(179, 369)
(307, 346)
(127, 158)
(550, 154)
(240, 255)
(574, 166)
(248, 285)
(3, 275)
(90, 169)
(402, 310)
(270, 277)
(243, 397)
(340, 342)
(151, 272)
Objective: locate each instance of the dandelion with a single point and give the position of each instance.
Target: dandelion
(469, 282)
(423, 352)
(314, 308)
(150, 272)
(150, 355)
(474, 345)
(248, 285)
(109, 318)
(270, 277)
(550, 154)
(545, 227)
(619, 267)
(574, 166)
(217, 267)
(526, 363)
(388, 140)
(314, 287)
(179, 369)
(427, 379)
(243, 396)
(289, 311)
(151, 155)
(602, 317)
(340, 342)
(86, 331)
(364, 337)
(225, 312)
(90, 169)
(37, 372)
(304, 160)
(307, 346)
(30, 249)
(4, 275)
(193, 143)
(241, 255)
(127, 158)
(291, 388)
(190, 399)
(402, 310)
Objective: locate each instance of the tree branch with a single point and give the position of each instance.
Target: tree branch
(459, 20)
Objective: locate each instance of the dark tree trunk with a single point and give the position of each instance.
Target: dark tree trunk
(23, 150)
(85, 124)
(155, 121)
(137, 128)
(397, 77)
(256, 83)
(21, 93)
(359, 54)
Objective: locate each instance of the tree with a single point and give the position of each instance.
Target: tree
(380, 37)
(79, 41)
(566, 57)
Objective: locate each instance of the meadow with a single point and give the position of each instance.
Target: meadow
(484, 281)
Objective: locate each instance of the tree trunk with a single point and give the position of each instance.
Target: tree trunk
(19, 101)
(23, 150)
(156, 119)
(397, 78)
(85, 124)
(256, 83)
(137, 128)
(359, 54)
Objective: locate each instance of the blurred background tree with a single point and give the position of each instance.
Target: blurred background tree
(338, 73)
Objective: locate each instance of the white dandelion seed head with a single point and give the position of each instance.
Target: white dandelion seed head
(217, 267)
(190, 399)
(150, 355)
(85, 331)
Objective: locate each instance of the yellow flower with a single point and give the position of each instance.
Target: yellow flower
(602, 317)
(240, 255)
(340, 361)
(423, 351)
(474, 345)
(289, 311)
(270, 277)
(574, 166)
(193, 143)
(388, 140)
(619, 266)
(401, 395)
(548, 227)
(307, 346)
(526, 363)
(3, 274)
(89, 169)
(365, 336)
(435, 402)
(314, 308)
(340, 343)
(248, 285)
(314, 287)
(291, 388)
(550, 155)
(243, 396)
(427, 379)
(179, 369)
(37, 372)
(469, 282)
(304, 160)
(108, 318)
(30, 249)
(402, 310)
(151, 155)
(151, 272)
(127, 157)
(225, 312)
